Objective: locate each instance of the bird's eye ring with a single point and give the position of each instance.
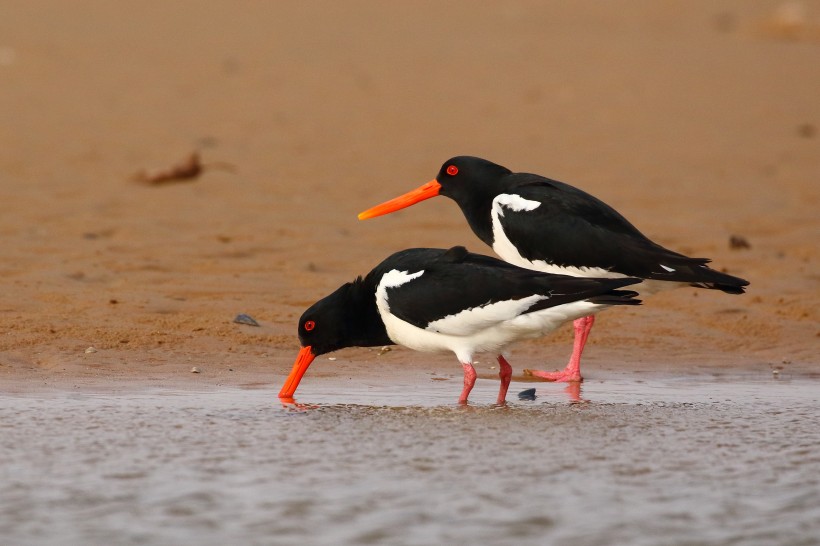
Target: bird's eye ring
(452, 170)
(309, 325)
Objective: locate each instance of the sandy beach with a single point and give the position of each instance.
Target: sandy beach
(697, 121)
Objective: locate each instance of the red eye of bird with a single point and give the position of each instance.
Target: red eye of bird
(452, 170)
(310, 325)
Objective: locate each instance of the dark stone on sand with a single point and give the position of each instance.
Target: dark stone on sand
(528, 394)
(245, 319)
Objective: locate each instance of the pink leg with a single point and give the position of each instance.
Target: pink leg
(469, 381)
(573, 370)
(506, 375)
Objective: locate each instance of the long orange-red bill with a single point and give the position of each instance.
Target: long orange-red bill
(427, 191)
(304, 359)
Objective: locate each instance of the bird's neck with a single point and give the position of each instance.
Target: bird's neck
(366, 328)
(477, 209)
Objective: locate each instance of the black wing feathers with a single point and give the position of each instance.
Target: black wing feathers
(573, 228)
(455, 280)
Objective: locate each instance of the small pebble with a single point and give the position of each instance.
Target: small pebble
(383, 350)
(90, 350)
(195, 370)
(331, 358)
(245, 319)
(528, 394)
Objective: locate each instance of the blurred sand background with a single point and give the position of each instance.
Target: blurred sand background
(697, 120)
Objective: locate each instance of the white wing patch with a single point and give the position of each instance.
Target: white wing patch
(513, 202)
(669, 269)
(395, 278)
(392, 279)
(476, 319)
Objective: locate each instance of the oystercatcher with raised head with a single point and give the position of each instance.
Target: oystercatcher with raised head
(433, 300)
(545, 225)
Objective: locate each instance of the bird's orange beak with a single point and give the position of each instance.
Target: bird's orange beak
(304, 359)
(426, 191)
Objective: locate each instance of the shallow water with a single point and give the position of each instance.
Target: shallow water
(638, 460)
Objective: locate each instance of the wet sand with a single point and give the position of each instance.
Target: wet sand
(698, 122)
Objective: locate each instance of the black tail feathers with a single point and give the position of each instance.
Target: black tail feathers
(715, 280)
(616, 297)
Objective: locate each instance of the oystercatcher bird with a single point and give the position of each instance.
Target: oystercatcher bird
(431, 300)
(545, 225)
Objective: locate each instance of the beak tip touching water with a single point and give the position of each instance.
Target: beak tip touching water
(301, 365)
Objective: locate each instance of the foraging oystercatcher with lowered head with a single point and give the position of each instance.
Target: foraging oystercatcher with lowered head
(546, 225)
(432, 300)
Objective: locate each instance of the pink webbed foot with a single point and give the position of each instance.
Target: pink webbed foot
(567, 375)
(572, 372)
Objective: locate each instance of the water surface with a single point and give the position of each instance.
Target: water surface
(639, 459)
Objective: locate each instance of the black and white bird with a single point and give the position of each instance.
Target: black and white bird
(545, 225)
(434, 300)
